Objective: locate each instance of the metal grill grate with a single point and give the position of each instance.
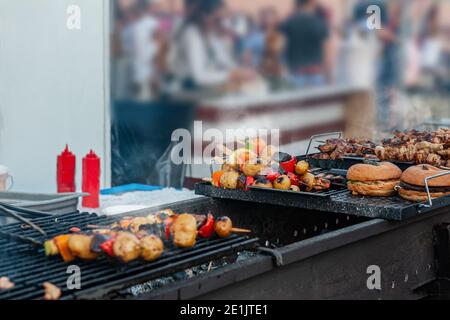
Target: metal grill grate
(28, 267)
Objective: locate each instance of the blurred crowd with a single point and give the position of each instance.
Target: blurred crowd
(162, 48)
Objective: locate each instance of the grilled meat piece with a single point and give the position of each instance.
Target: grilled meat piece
(337, 148)
(421, 147)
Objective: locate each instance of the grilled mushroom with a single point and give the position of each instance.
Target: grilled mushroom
(301, 168)
(263, 182)
(282, 183)
(152, 248)
(127, 247)
(229, 180)
(184, 231)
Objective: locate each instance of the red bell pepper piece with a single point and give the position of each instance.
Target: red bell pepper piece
(249, 182)
(168, 224)
(294, 179)
(107, 247)
(289, 166)
(272, 176)
(207, 230)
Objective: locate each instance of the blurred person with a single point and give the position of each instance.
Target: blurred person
(307, 34)
(430, 44)
(271, 65)
(251, 46)
(200, 57)
(389, 80)
(123, 48)
(262, 47)
(145, 48)
(361, 47)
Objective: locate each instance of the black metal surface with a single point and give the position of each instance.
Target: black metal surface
(286, 199)
(335, 265)
(389, 208)
(28, 267)
(442, 249)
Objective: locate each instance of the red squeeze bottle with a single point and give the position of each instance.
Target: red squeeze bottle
(91, 180)
(65, 171)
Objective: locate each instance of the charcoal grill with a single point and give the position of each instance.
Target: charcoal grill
(300, 254)
(28, 267)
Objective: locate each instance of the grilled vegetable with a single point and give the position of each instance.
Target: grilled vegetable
(263, 182)
(80, 247)
(108, 247)
(252, 169)
(308, 181)
(136, 224)
(224, 227)
(301, 168)
(62, 242)
(216, 178)
(249, 182)
(50, 248)
(207, 230)
(282, 183)
(229, 180)
(294, 179)
(97, 240)
(273, 175)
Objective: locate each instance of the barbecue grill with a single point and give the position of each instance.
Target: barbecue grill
(292, 253)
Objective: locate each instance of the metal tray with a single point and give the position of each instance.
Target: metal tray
(58, 203)
(346, 162)
(268, 196)
(390, 208)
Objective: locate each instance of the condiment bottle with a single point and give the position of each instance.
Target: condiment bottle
(65, 171)
(91, 180)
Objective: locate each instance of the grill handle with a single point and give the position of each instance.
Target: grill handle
(314, 137)
(427, 188)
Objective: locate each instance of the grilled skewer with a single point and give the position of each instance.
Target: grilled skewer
(132, 238)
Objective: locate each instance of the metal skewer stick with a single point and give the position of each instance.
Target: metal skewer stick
(13, 237)
(18, 217)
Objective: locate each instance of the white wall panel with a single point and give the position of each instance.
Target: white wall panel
(52, 88)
